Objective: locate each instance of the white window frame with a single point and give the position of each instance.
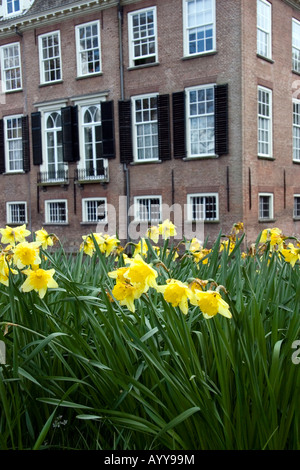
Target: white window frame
(79, 53)
(295, 215)
(9, 217)
(5, 70)
(186, 28)
(131, 39)
(266, 30)
(191, 197)
(265, 118)
(296, 131)
(47, 211)
(136, 124)
(43, 80)
(85, 210)
(7, 142)
(206, 115)
(14, 12)
(295, 45)
(137, 211)
(271, 206)
(45, 110)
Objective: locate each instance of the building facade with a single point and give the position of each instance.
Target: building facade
(118, 114)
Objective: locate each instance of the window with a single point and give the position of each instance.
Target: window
(296, 131)
(94, 210)
(145, 128)
(92, 141)
(142, 37)
(296, 45)
(148, 208)
(13, 6)
(53, 143)
(265, 209)
(264, 122)
(201, 121)
(264, 27)
(11, 67)
(13, 143)
(50, 60)
(88, 48)
(199, 26)
(16, 213)
(297, 206)
(203, 207)
(56, 212)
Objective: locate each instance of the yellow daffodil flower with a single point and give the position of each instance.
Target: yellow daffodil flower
(291, 254)
(194, 245)
(176, 293)
(39, 280)
(27, 254)
(210, 303)
(167, 229)
(14, 235)
(126, 294)
(141, 248)
(153, 233)
(140, 274)
(201, 255)
(44, 238)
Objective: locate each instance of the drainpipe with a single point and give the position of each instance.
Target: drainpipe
(125, 167)
(20, 34)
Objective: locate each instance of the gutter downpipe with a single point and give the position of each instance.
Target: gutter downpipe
(125, 167)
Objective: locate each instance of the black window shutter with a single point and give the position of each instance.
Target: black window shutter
(108, 132)
(221, 119)
(164, 137)
(126, 154)
(69, 134)
(36, 134)
(75, 134)
(2, 150)
(25, 144)
(179, 133)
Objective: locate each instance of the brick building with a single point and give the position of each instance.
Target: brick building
(115, 111)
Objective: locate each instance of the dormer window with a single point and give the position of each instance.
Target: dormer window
(13, 6)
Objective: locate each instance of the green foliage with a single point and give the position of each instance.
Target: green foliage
(83, 372)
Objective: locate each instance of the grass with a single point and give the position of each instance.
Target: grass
(84, 372)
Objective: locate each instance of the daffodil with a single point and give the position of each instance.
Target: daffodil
(153, 233)
(274, 236)
(27, 254)
(140, 248)
(210, 303)
(14, 235)
(141, 274)
(227, 245)
(194, 245)
(167, 229)
(201, 255)
(87, 246)
(291, 254)
(109, 244)
(176, 293)
(4, 269)
(126, 294)
(44, 238)
(39, 280)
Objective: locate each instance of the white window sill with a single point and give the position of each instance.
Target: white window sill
(200, 157)
(199, 54)
(55, 82)
(140, 162)
(265, 157)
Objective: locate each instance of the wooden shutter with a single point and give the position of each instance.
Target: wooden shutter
(126, 153)
(108, 132)
(179, 132)
(36, 138)
(2, 149)
(70, 134)
(25, 144)
(164, 137)
(221, 119)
